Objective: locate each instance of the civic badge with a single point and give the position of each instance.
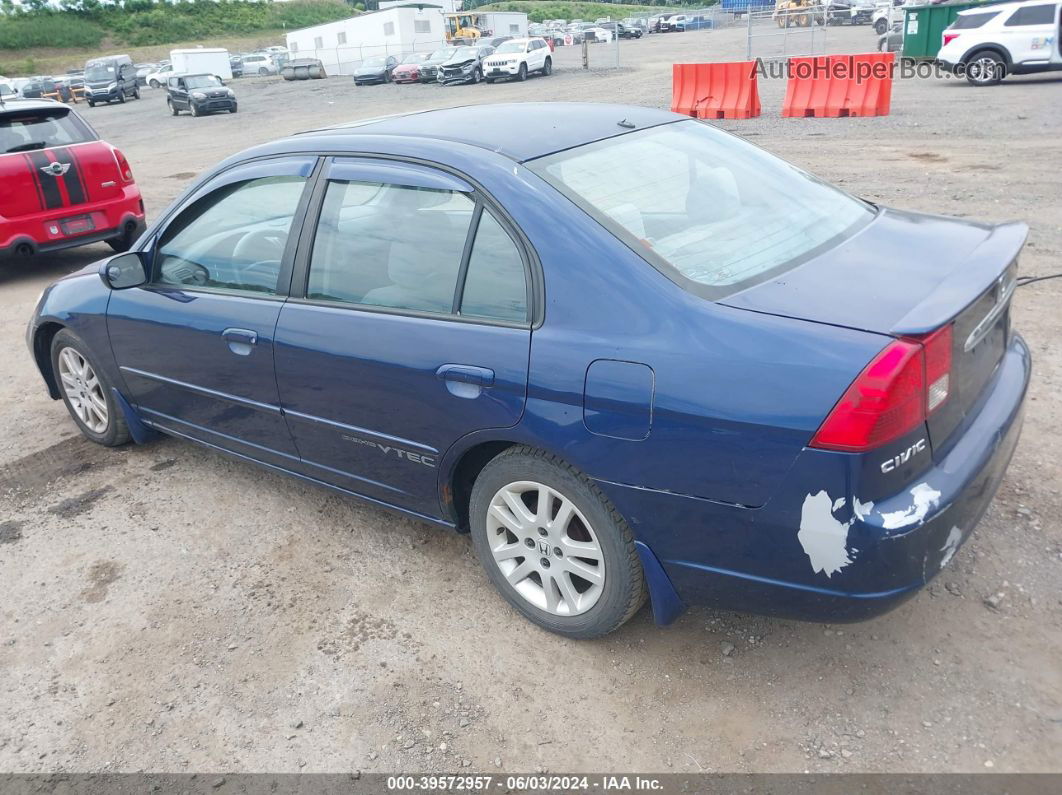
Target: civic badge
(56, 169)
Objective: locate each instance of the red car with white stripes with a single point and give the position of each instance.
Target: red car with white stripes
(63, 186)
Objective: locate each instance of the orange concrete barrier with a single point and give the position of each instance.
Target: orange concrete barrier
(715, 90)
(830, 86)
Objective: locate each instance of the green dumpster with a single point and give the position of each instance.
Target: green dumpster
(923, 26)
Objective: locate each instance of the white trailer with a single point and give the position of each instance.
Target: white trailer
(342, 45)
(503, 23)
(202, 60)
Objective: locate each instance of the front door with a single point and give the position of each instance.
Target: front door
(195, 345)
(408, 328)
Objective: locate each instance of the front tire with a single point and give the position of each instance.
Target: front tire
(522, 74)
(155, 84)
(263, 71)
(554, 546)
(880, 27)
(547, 67)
(173, 108)
(195, 109)
(86, 391)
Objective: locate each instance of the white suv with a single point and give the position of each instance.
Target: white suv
(517, 58)
(986, 44)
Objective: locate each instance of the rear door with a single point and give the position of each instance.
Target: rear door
(195, 344)
(1030, 33)
(407, 329)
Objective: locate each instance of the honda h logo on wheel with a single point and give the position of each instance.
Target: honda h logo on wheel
(543, 547)
(56, 169)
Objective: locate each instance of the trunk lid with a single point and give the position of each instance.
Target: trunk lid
(52, 161)
(907, 274)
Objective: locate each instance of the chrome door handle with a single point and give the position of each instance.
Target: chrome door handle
(240, 340)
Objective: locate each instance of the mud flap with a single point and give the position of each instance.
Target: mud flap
(141, 433)
(667, 606)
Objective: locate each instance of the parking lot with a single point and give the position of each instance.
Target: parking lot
(169, 609)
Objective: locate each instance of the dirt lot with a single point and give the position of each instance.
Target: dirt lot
(165, 608)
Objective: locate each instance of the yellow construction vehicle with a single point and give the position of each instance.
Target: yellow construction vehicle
(799, 13)
(462, 28)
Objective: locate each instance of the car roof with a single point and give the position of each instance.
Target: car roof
(520, 131)
(17, 105)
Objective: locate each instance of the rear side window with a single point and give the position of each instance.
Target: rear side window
(495, 286)
(1032, 15)
(389, 246)
(41, 129)
(970, 21)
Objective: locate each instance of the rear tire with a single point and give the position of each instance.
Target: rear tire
(546, 587)
(880, 27)
(263, 71)
(985, 68)
(87, 392)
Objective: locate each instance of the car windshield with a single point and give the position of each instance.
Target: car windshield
(372, 62)
(414, 59)
(510, 46)
(466, 52)
(100, 71)
(442, 55)
(202, 81)
(702, 205)
(26, 131)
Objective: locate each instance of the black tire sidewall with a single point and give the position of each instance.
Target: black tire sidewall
(622, 568)
(117, 432)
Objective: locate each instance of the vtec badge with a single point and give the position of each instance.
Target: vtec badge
(904, 457)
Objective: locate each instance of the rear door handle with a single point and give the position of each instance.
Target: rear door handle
(466, 374)
(240, 340)
(465, 380)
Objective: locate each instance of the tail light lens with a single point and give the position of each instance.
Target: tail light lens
(124, 171)
(894, 394)
(949, 37)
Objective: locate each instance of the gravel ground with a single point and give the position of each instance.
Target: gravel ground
(168, 609)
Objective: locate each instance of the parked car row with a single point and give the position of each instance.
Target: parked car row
(515, 58)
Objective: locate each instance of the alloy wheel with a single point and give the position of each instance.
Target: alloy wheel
(83, 390)
(545, 548)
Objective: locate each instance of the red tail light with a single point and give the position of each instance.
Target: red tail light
(124, 170)
(949, 37)
(894, 394)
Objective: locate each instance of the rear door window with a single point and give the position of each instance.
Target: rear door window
(41, 129)
(1032, 15)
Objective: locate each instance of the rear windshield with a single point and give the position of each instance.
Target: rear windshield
(714, 213)
(967, 21)
(29, 130)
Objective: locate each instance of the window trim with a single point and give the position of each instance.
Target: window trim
(216, 183)
(533, 283)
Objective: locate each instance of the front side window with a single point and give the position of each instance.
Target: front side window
(704, 206)
(231, 239)
(201, 81)
(389, 246)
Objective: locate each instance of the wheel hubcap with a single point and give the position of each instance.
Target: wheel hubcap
(83, 390)
(545, 548)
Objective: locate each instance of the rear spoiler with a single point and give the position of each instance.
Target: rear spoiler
(981, 269)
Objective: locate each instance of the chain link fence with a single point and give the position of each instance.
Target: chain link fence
(779, 33)
(343, 60)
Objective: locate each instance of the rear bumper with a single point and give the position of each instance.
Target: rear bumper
(758, 559)
(110, 220)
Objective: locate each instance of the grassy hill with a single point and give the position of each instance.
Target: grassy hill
(539, 10)
(30, 41)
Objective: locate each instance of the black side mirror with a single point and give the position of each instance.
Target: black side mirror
(123, 271)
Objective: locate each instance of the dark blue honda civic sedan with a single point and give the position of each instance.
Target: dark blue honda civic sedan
(634, 356)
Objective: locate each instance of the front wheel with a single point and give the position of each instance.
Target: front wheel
(155, 84)
(173, 108)
(547, 67)
(554, 546)
(522, 74)
(195, 109)
(232, 109)
(263, 71)
(880, 27)
(91, 104)
(86, 391)
(477, 75)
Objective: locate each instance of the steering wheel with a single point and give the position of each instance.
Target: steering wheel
(261, 246)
